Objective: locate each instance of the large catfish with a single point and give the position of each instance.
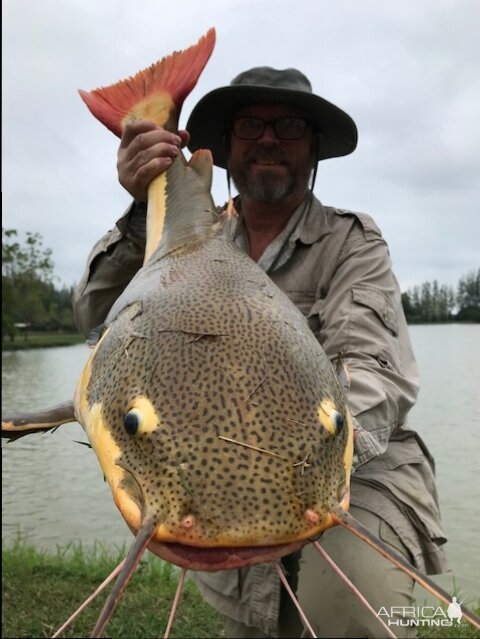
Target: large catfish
(214, 412)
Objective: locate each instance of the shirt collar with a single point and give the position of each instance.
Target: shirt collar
(307, 224)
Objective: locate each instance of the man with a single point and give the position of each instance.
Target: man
(269, 131)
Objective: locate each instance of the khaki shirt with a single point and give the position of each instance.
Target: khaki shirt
(335, 267)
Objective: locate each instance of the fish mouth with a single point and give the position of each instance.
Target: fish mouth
(200, 557)
(203, 557)
(198, 553)
(220, 558)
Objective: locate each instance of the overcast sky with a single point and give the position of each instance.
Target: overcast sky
(408, 73)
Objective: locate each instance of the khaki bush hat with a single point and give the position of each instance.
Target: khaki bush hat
(210, 119)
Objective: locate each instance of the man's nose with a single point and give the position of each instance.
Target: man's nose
(269, 134)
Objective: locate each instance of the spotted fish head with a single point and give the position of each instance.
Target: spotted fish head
(234, 465)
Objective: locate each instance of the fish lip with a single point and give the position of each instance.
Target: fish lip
(223, 557)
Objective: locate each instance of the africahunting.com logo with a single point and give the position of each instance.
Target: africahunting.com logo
(429, 616)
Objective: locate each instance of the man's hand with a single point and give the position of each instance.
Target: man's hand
(145, 151)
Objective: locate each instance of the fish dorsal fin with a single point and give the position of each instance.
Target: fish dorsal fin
(181, 210)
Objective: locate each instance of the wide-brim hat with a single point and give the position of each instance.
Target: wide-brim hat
(210, 120)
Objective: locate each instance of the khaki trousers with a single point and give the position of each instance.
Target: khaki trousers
(331, 608)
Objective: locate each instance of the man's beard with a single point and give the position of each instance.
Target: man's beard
(269, 186)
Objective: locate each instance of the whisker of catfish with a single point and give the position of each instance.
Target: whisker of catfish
(89, 599)
(173, 610)
(132, 559)
(346, 520)
(284, 581)
(350, 585)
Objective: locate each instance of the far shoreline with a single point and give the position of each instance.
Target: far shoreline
(41, 340)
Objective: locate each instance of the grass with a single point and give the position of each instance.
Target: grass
(41, 590)
(464, 630)
(41, 340)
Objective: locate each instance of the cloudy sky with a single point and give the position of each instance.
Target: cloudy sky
(406, 72)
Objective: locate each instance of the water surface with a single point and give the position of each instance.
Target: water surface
(54, 492)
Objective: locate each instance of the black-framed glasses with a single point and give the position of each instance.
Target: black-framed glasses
(286, 128)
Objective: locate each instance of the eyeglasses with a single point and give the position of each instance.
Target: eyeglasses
(286, 128)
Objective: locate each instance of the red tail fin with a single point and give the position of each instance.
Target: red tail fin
(156, 93)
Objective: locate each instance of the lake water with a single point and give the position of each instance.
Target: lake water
(53, 488)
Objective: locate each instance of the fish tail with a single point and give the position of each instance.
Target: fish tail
(157, 93)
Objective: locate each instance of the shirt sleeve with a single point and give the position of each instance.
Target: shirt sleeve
(362, 322)
(112, 263)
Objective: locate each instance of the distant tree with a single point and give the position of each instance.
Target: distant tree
(468, 297)
(450, 300)
(445, 303)
(28, 293)
(434, 302)
(407, 304)
(427, 302)
(59, 305)
(29, 259)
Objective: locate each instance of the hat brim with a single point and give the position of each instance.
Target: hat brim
(210, 119)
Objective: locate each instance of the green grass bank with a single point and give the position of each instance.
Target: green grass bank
(41, 340)
(41, 590)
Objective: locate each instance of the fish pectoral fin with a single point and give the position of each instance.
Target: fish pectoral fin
(349, 522)
(40, 421)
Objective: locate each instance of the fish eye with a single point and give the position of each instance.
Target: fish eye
(338, 421)
(141, 417)
(132, 421)
(331, 420)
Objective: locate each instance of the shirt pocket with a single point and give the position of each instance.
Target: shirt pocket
(374, 327)
(379, 303)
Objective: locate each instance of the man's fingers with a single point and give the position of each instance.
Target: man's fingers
(145, 151)
(147, 172)
(185, 137)
(142, 133)
(158, 150)
(133, 129)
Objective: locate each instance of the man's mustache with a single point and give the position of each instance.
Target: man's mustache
(267, 154)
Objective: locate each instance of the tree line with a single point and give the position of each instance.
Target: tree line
(32, 301)
(433, 302)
